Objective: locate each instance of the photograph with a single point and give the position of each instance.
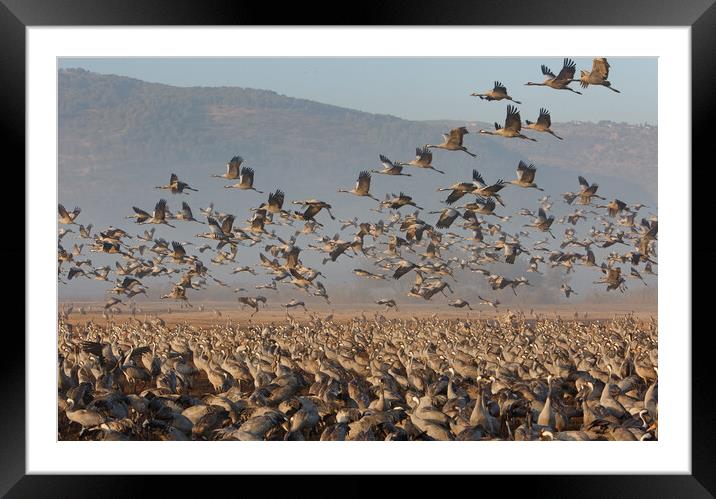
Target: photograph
(340, 248)
(423, 244)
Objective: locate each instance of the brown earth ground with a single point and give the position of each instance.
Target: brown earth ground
(273, 313)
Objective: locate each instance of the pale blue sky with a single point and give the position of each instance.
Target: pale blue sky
(410, 88)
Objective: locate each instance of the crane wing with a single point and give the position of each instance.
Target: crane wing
(214, 226)
(521, 168)
(232, 167)
(494, 188)
(363, 185)
(600, 66)
(477, 177)
(547, 72)
(529, 173)
(276, 199)
(247, 176)
(160, 209)
(386, 162)
(544, 118)
(178, 249)
(583, 184)
(568, 70)
(424, 156)
(513, 120)
(227, 224)
(456, 135)
(454, 196)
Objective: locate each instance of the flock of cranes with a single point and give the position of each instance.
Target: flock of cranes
(514, 377)
(405, 233)
(365, 379)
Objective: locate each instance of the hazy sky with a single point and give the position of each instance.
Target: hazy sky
(411, 88)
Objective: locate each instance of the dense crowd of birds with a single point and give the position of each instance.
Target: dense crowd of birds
(364, 381)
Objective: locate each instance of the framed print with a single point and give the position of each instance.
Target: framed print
(416, 245)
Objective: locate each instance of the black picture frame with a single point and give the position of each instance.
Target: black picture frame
(16, 15)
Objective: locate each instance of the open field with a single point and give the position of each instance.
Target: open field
(193, 376)
(342, 313)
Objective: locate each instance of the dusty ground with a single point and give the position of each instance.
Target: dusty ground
(230, 311)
